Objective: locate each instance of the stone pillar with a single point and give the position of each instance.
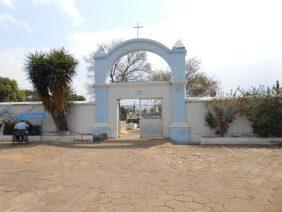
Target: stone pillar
(101, 110)
(101, 94)
(179, 129)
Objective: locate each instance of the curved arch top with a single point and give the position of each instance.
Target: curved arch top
(140, 44)
(142, 41)
(175, 57)
(106, 103)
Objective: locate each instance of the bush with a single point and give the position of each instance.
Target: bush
(262, 106)
(220, 114)
(8, 128)
(33, 129)
(264, 110)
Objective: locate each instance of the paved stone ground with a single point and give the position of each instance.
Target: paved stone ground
(139, 176)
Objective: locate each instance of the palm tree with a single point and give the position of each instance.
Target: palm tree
(51, 74)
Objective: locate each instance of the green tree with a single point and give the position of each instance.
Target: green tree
(9, 91)
(71, 96)
(51, 74)
(263, 108)
(78, 98)
(199, 83)
(31, 95)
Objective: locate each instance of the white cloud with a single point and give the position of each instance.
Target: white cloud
(7, 21)
(82, 44)
(8, 3)
(12, 65)
(238, 42)
(68, 7)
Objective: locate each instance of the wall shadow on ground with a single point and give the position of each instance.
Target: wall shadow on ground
(113, 145)
(130, 144)
(241, 146)
(110, 144)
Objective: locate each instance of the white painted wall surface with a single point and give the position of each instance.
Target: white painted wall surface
(195, 111)
(81, 115)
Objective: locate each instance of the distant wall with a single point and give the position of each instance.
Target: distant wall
(82, 115)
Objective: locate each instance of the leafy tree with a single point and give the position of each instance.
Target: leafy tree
(9, 91)
(71, 96)
(31, 95)
(78, 98)
(263, 108)
(199, 83)
(51, 74)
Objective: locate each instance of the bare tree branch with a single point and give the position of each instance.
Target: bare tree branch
(125, 69)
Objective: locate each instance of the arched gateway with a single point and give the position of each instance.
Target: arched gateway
(172, 93)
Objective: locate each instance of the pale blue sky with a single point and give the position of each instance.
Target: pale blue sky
(238, 41)
(50, 25)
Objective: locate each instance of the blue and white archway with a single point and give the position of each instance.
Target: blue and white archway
(175, 58)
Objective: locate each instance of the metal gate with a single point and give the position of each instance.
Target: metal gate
(151, 122)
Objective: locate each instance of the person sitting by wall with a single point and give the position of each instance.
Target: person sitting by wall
(21, 126)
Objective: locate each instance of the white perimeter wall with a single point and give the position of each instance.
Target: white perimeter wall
(82, 114)
(80, 117)
(195, 111)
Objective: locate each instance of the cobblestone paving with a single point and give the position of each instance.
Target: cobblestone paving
(139, 176)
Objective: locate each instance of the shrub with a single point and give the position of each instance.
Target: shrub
(34, 129)
(262, 106)
(264, 110)
(220, 114)
(8, 128)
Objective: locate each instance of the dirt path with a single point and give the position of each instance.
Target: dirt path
(139, 176)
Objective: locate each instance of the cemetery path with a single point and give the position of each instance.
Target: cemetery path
(130, 135)
(147, 175)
